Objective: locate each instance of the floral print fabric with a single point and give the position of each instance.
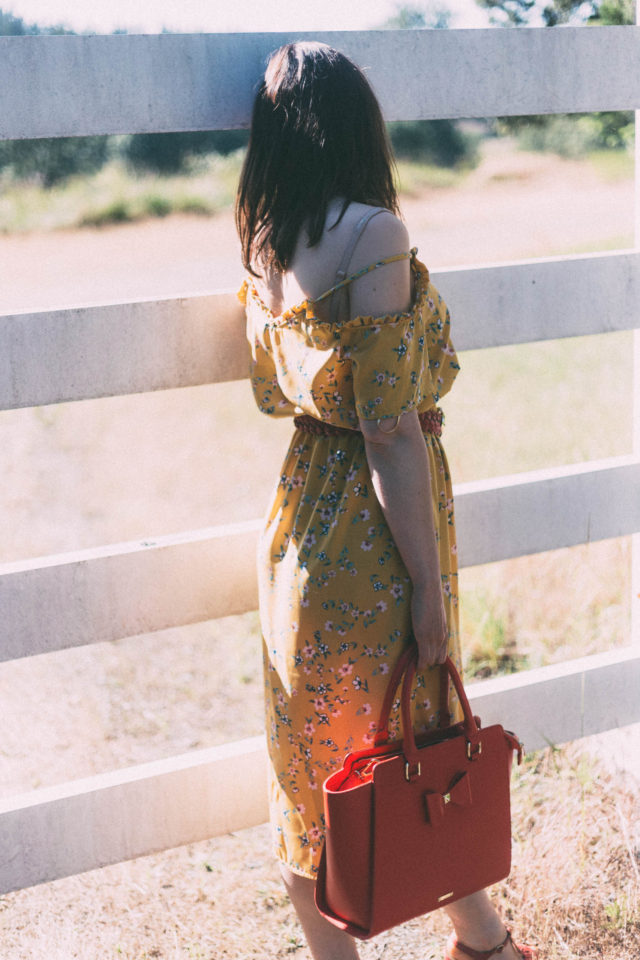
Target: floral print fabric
(334, 591)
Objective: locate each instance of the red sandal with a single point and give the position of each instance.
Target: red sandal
(527, 953)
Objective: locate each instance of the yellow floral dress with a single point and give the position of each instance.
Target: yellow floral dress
(334, 591)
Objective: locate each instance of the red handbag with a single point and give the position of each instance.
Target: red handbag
(415, 824)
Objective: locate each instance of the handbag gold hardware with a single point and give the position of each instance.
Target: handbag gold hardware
(471, 755)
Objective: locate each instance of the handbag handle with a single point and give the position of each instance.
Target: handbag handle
(406, 665)
(401, 665)
(471, 730)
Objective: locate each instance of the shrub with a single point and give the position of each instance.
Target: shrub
(570, 134)
(117, 212)
(169, 153)
(439, 142)
(52, 160)
(156, 206)
(574, 136)
(195, 205)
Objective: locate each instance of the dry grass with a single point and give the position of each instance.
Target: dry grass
(152, 696)
(574, 888)
(137, 699)
(550, 607)
(575, 885)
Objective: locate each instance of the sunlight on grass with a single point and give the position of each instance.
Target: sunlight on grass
(536, 405)
(546, 608)
(573, 888)
(527, 407)
(623, 241)
(514, 409)
(113, 195)
(613, 165)
(413, 178)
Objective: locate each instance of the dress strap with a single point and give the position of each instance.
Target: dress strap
(360, 273)
(346, 259)
(358, 230)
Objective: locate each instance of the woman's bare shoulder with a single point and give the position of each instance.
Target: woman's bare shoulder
(385, 235)
(386, 289)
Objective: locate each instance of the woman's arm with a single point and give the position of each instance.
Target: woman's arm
(399, 466)
(398, 460)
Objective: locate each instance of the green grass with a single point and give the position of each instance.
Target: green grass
(621, 241)
(414, 178)
(613, 165)
(113, 195)
(490, 636)
(146, 206)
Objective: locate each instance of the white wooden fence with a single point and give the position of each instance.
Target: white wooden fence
(60, 86)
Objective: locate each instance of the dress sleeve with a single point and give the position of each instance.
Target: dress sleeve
(389, 364)
(443, 360)
(262, 368)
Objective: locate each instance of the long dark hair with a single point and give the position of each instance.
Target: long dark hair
(317, 133)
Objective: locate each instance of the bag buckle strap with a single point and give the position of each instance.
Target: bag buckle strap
(409, 774)
(474, 750)
(515, 744)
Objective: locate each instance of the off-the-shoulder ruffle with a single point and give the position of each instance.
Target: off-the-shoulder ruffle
(369, 366)
(242, 293)
(304, 312)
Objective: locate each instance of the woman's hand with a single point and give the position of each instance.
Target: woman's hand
(429, 625)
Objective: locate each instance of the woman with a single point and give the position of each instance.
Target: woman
(358, 555)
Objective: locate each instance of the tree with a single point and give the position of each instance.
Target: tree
(514, 13)
(11, 26)
(560, 12)
(52, 160)
(433, 17)
(168, 153)
(569, 135)
(614, 13)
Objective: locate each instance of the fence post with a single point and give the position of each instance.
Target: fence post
(627, 761)
(635, 539)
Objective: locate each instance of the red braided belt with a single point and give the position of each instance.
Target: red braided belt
(430, 421)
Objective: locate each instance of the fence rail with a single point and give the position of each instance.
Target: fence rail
(63, 86)
(108, 593)
(65, 829)
(77, 86)
(59, 355)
